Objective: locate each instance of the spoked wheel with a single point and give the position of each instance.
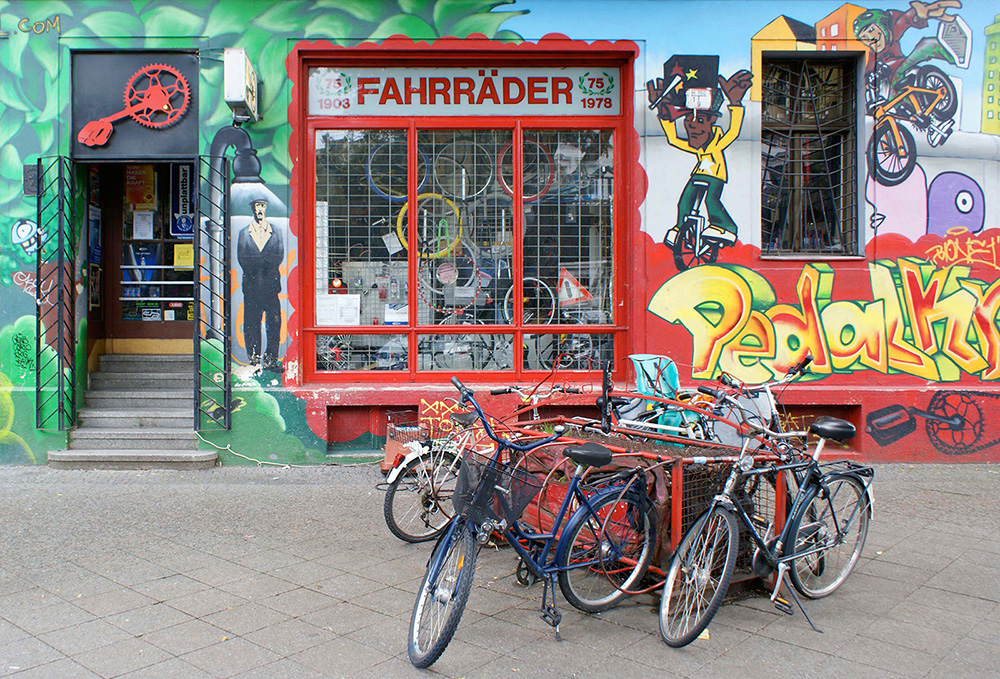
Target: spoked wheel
(933, 78)
(888, 161)
(689, 250)
(834, 525)
(417, 504)
(442, 596)
(608, 552)
(699, 576)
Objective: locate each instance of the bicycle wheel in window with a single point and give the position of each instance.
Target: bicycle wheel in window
(417, 504)
(438, 225)
(463, 170)
(833, 525)
(566, 352)
(699, 576)
(536, 175)
(538, 302)
(606, 554)
(387, 175)
(442, 595)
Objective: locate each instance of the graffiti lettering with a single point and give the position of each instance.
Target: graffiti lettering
(933, 323)
(971, 249)
(27, 282)
(39, 27)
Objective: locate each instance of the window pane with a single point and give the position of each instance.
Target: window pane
(475, 351)
(361, 269)
(568, 254)
(462, 228)
(361, 352)
(567, 351)
(808, 140)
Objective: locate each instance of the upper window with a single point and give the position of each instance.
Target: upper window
(809, 141)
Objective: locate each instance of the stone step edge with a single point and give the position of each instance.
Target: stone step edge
(132, 455)
(143, 432)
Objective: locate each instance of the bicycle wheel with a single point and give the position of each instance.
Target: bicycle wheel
(933, 78)
(537, 299)
(442, 596)
(688, 251)
(836, 524)
(567, 352)
(417, 504)
(463, 170)
(438, 225)
(536, 174)
(698, 577)
(607, 553)
(891, 163)
(387, 173)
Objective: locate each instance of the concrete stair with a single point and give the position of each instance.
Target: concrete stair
(139, 414)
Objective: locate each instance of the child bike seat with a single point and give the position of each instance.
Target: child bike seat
(588, 454)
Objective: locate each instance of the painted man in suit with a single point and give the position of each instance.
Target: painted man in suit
(260, 252)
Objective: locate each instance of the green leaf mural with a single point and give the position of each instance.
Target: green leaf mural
(35, 113)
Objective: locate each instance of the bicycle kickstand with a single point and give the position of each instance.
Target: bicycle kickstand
(549, 613)
(782, 604)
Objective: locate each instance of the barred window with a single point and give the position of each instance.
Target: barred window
(809, 201)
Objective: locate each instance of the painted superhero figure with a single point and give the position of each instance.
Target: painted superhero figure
(707, 142)
(260, 252)
(881, 31)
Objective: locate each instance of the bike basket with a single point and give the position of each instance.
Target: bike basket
(488, 490)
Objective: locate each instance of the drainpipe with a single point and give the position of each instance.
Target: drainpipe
(246, 169)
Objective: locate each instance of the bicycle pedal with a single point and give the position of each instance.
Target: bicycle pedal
(784, 606)
(552, 617)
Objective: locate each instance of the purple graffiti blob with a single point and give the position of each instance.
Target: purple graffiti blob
(955, 200)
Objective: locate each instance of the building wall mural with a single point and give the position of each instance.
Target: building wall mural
(916, 309)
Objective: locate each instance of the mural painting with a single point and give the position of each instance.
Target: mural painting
(691, 90)
(919, 308)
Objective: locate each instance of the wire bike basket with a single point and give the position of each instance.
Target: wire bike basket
(490, 490)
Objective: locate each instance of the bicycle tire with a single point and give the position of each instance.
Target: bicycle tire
(449, 592)
(820, 574)
(567, 352)
(687, 253)
(533, 290)
(536, 174)
(684, 613)
(933, 78)
(387, 173)
(463, 170)
(885, 164)
(431, 489)
(613, 530)
(442, 213)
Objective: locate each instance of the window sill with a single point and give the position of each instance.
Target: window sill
(812, 257)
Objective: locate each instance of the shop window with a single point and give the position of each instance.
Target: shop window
(809, 156)
(471, 241)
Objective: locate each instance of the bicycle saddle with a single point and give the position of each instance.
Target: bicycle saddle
(832, 428)
(464, 419)
(588, 454)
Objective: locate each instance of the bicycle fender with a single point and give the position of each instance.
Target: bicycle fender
(416, 450)
(864, 477)
(581, 514)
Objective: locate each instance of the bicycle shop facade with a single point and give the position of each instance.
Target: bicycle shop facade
(323, 211)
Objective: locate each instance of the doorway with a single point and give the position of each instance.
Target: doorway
(140, 256)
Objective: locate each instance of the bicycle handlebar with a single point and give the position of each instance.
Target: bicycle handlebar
(469, 397)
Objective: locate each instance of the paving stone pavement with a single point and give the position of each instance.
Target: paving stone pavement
(269, 573)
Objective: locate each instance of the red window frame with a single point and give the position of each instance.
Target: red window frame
(453, 52)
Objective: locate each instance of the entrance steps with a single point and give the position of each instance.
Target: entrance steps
(139, 414)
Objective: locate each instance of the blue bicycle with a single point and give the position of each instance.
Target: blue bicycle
(598, 557)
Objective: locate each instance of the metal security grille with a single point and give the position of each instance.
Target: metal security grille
(212, 304)
(479, 264)
(809, 199)
(58, 218)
